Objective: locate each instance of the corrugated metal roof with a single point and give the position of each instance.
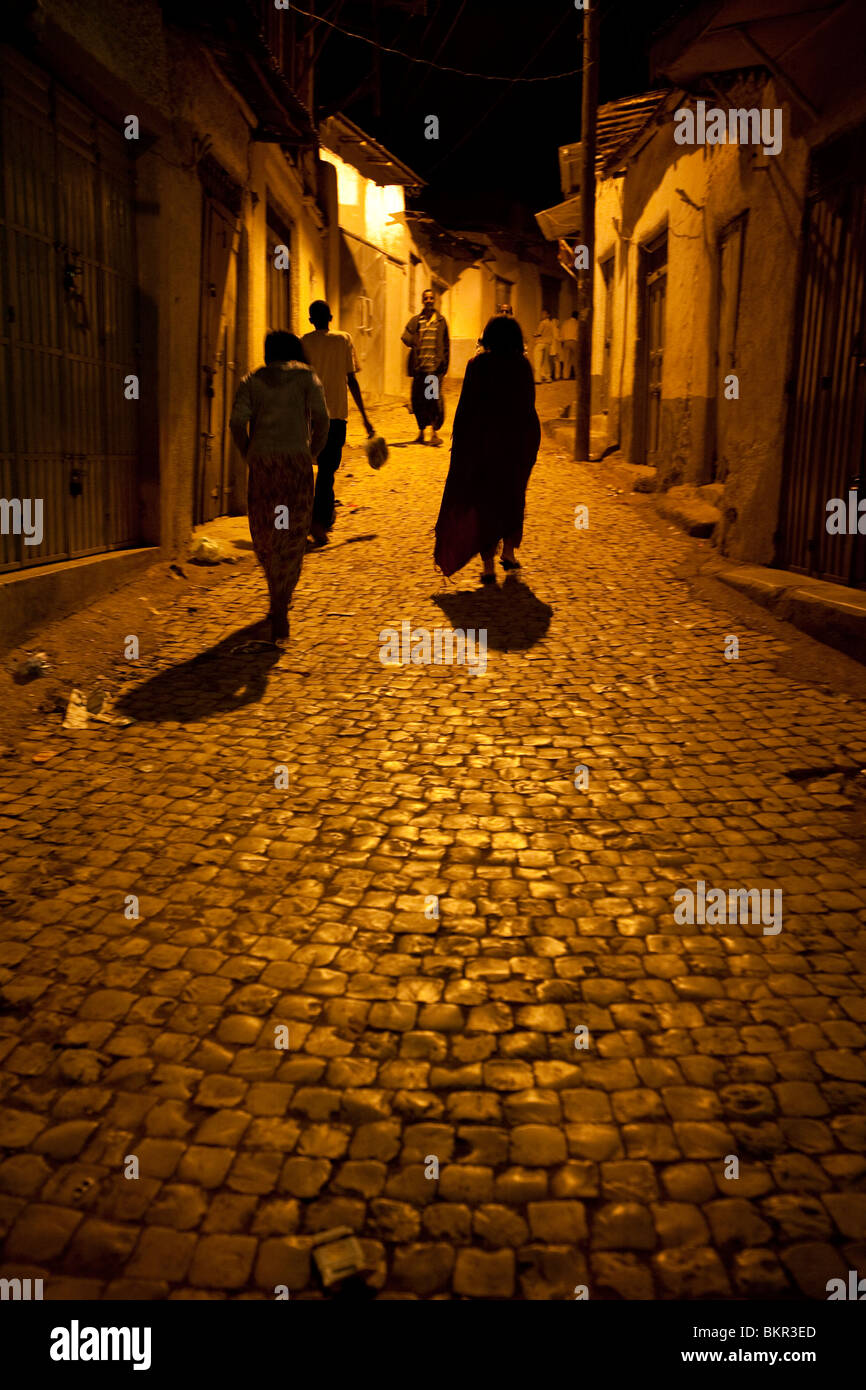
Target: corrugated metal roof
(434, 239)
(619, 123)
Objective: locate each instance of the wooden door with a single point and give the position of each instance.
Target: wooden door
(362, 308)
(69, 338)
(607, 268)
(217, 322)
(650, 359)
(731, 248)
(278, 277)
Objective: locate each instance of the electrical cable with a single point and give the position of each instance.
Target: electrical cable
(440, 67)
(488, 113)
(450, 30)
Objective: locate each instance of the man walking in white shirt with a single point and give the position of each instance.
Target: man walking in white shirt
(332, 357)
(544, 337)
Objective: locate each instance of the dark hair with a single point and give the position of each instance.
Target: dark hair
(502, 334)
(283, 347)
(320, 313)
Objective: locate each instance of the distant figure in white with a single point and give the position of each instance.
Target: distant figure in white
(543, 340)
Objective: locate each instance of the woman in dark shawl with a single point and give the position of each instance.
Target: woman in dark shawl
(495, 441)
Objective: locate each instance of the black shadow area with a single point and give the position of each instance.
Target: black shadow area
(337, 545)
(514, 617)
(217, 680)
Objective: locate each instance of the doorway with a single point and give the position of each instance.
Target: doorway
(607, 268)
(278, 273)
(362, 306)
(653, 273)
(217, 329)
(69, 336)
(731, 248)
(550, 287)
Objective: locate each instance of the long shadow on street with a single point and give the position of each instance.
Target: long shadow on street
(220, 679)
(515, 619)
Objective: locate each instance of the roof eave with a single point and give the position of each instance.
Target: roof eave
(616, 161)
(344, 133)
(234, 37)
(678, 33)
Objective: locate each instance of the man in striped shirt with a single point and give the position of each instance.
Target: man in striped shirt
(426, 335)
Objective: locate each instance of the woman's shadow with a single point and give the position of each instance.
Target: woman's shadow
(216, 681)
(512, 615)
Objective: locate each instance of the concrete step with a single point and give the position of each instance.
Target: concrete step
(632, 477)
(830, 613)
(688, 509)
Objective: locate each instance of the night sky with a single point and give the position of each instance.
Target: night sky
(497, 142)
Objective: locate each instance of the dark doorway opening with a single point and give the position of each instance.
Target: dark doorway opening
(607, 268)
(653, 271)
(217, 342)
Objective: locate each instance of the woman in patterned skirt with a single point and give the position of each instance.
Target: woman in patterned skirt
(280, 422)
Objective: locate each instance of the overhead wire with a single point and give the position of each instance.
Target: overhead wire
(442, 67)
(440, 47)
(502, 95)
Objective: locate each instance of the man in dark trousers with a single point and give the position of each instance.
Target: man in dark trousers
(426, 336)
(332, 358)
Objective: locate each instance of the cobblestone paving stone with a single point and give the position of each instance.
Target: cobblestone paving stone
(412, 1037)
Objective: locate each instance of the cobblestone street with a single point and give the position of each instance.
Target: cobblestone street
(305, 900)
